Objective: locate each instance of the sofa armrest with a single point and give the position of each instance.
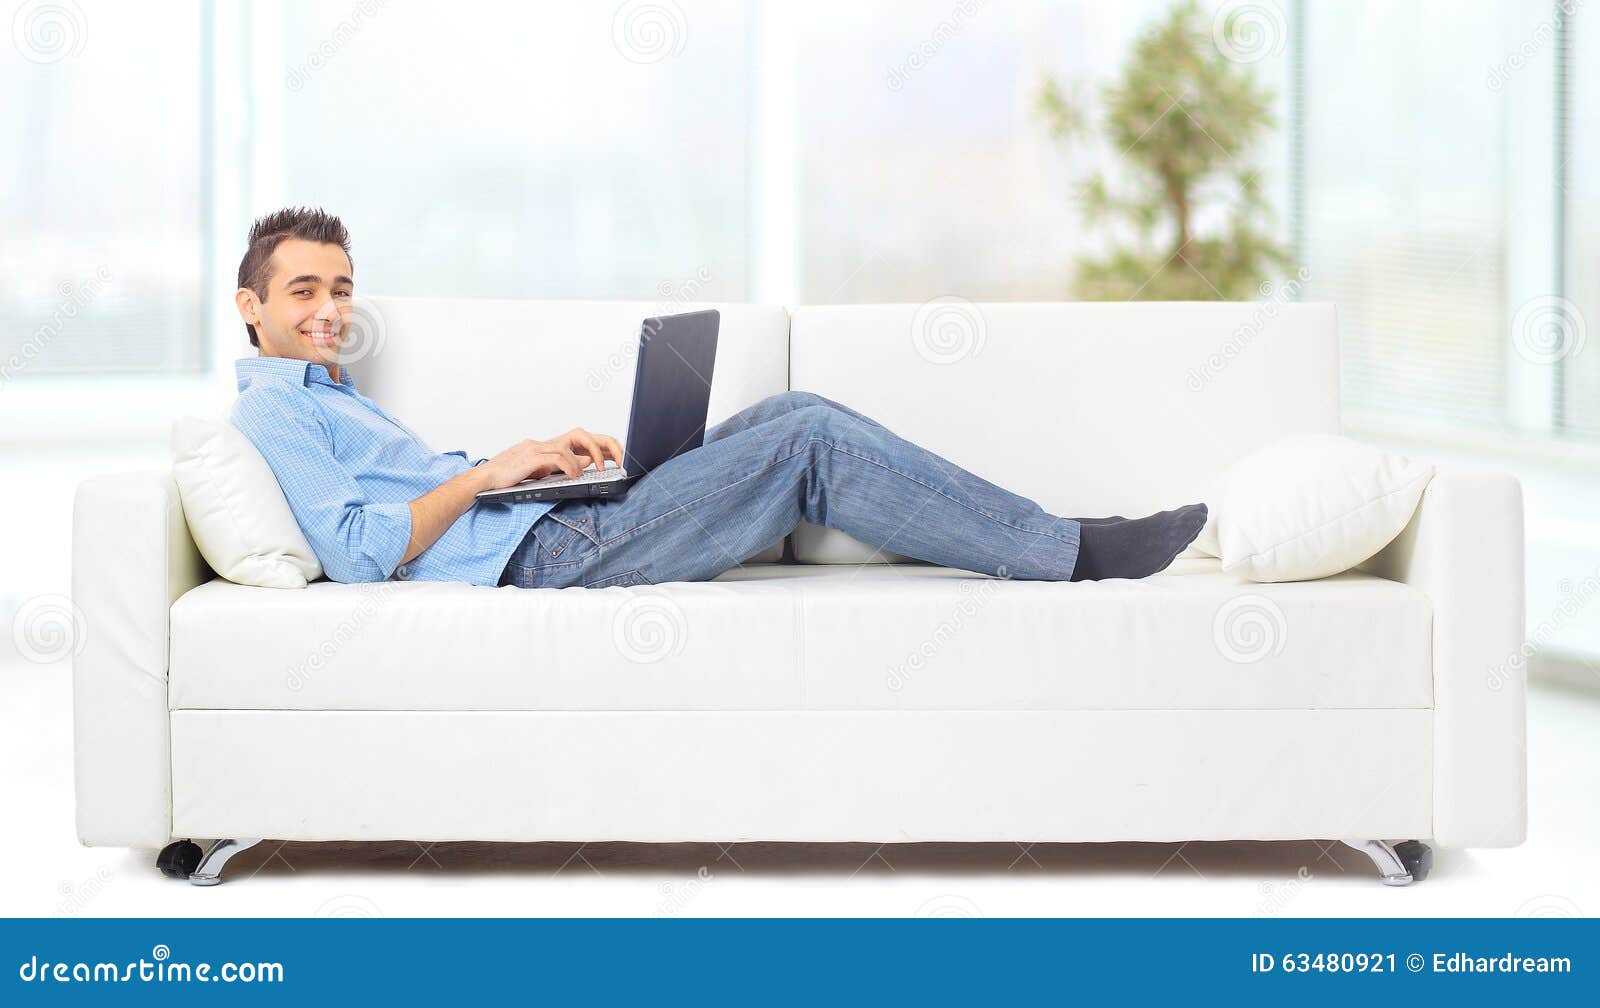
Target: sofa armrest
(1464, 548)
(131, 558)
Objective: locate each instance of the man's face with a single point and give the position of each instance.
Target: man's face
(308, 303)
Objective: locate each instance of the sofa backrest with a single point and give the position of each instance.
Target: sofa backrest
(480, 375)
(1089, 408)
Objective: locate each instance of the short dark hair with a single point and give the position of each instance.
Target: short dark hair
(311, 224)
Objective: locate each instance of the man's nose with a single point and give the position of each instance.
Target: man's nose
(329, 311)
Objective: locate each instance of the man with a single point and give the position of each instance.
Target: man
(376, 502)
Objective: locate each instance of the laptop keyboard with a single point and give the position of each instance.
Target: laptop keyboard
(589, 476)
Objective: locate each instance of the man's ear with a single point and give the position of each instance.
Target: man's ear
(249, 306)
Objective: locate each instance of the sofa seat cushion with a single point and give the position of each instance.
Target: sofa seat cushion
(773, 636)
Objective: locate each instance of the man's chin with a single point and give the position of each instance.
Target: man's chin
(324, 353)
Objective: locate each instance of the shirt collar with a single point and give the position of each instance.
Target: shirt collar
(298, 371)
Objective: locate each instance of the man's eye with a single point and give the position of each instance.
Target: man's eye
(301, 291)
(343, 294)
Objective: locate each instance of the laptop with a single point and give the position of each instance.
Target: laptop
(671, 394)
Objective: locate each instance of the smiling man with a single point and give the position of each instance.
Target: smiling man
(376, 502)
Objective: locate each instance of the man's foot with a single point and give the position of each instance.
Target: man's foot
(1134, 548)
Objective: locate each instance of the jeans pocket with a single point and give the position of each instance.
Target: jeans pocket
(564, 535)
(627, 579)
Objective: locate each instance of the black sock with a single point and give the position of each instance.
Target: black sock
(1119, 547)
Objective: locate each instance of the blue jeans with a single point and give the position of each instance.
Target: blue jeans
(791, 456)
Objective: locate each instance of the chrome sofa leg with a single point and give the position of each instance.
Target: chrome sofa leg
(209, 871)
(1398, 864)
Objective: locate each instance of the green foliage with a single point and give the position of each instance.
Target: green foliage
(1184, 118)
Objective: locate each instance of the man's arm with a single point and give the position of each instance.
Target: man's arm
(359, 540)
(438, 509)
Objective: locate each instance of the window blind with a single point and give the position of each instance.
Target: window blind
(1402, 189)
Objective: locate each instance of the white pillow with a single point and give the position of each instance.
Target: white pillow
(1308, 506)
(236, 511)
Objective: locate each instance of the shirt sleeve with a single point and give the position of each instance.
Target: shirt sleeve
(355, 539)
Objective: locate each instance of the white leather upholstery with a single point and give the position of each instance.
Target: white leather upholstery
(874, 776)
(814, 703)
(1089, 408)
(809, 638)
(1464, 548)
(132, 557)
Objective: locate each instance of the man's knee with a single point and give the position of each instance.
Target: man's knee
(797, 400)
(815, 421)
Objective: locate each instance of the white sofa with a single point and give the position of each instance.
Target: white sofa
(842, 695)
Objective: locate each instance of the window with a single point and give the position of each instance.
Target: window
(829, 152)
(102, 191)
(1576, 347)
(1403, 192)
(925, 168)
(592, 151)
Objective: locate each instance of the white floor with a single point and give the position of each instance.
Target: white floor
(45, 872)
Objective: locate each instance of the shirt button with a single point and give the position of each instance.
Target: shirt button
(403, 571)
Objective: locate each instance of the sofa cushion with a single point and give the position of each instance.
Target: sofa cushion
(807, 637)
(1308, 506)
(237, 513)
(1103, 407)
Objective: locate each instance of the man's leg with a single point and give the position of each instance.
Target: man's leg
(775, 406)
(781, 403)
(743, 491)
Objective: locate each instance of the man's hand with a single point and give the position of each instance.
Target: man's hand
(568, 453)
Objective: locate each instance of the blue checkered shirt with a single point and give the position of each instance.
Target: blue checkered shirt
(350, 472)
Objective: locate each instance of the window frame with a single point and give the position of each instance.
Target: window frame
(41, 409)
